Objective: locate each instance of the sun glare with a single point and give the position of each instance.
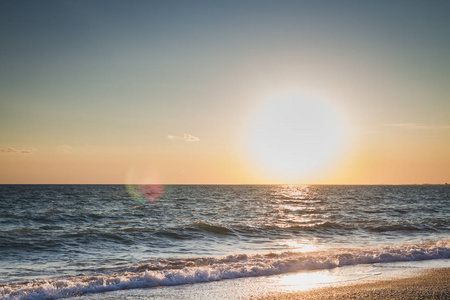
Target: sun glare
(300, 246)
(292, 137)
(304, 281)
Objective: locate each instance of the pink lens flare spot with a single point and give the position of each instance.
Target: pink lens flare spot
(151, 192)
(145, 193)
(144, 186)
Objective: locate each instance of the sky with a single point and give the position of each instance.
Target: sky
(225, 92)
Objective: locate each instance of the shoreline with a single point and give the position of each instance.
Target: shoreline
(428, 284)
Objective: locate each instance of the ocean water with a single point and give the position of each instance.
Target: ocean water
(61, 241)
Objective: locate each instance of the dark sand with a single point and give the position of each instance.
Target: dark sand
(431, 284)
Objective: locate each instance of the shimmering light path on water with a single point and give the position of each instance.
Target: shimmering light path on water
(204, 233)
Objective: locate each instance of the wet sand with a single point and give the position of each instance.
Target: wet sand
(430, 284)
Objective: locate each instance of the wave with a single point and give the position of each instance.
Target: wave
(207, 227)
(51, 236)
(165, 272)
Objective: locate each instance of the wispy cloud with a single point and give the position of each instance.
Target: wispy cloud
(186, 137)
(418, 126)
(190, 138)
(9, 150)
(65, 149)
(20, 151)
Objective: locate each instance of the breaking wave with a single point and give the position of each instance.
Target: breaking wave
(165, 272)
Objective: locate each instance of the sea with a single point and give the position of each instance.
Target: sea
(213, 241)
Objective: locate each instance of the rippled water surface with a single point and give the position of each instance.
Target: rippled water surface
(113, 231)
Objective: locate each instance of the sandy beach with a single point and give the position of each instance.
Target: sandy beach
(430, 284)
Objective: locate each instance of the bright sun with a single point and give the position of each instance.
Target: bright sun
(294, 136)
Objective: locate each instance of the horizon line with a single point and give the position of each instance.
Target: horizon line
(243, 184)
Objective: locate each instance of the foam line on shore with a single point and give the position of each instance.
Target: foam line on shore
(166, 272)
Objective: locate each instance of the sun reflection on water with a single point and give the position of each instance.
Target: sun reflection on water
(304, 281)
(299, 198)
(300, 245)
(295, 192)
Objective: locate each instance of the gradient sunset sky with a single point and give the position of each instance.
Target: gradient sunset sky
(175, 91)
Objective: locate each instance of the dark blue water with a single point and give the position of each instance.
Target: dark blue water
(95, 238)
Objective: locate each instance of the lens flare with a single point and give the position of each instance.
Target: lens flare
(143, 186)
(148, 193)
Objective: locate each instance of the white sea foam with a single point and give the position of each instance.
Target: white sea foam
(164, 272)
